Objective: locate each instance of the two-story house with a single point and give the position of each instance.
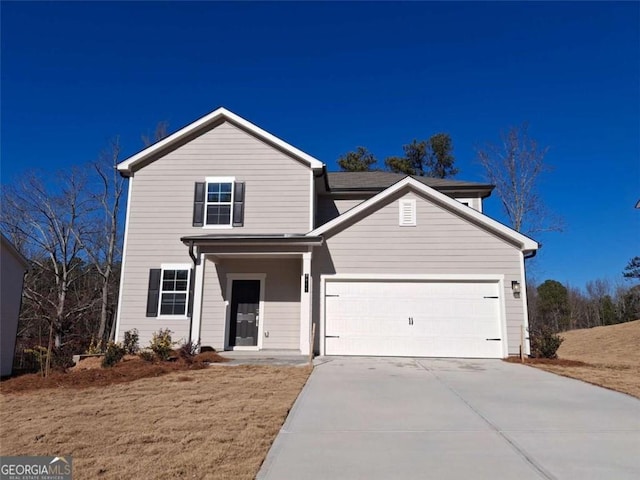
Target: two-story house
(237, 239)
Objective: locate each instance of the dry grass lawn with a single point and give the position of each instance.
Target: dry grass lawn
(213, 423)
(611, 355)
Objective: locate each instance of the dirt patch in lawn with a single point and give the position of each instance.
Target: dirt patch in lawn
(605, 356)
(214, 423)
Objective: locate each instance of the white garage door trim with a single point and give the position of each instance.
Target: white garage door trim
(339, 277)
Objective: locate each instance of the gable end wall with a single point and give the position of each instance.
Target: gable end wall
(441, 243)
(277, 200)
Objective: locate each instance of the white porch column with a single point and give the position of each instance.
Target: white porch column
(196, 313)
(305, 304)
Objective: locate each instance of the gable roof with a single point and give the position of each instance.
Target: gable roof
(379, 180)
(126, 167)
(526, 244)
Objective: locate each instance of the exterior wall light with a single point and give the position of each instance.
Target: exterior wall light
(515, 286)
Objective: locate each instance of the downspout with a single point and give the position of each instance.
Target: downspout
(323, 173)
(196, 262)
(195, 259)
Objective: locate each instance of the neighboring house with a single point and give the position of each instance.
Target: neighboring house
(12, 269)
(241, 241)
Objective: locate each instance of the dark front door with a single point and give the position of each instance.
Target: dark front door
(245, 299)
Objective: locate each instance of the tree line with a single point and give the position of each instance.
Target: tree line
(513, 165)
(425, 158)
(69, 228)
(556, 307)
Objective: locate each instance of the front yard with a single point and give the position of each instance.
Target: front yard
(218, 422)
(606, 356)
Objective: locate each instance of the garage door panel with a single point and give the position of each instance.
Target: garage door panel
(448, 319)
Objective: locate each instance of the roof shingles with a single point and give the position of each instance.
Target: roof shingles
(378, 180)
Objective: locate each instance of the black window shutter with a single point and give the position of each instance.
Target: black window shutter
(198, 204)
(238, 204)
(153, 295)
(192, 280)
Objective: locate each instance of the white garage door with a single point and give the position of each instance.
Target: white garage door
(412, 318)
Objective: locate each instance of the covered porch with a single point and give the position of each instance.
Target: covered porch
(252, 292)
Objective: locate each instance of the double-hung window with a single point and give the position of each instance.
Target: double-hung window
(219, 201)
(174, 290)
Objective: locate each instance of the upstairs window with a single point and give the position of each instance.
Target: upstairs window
(219, 203)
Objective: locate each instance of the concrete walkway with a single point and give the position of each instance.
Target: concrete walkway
(265, 357)
(399, 418)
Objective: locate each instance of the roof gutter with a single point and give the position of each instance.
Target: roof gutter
(323, 173)
(485, 191)
(257, 240)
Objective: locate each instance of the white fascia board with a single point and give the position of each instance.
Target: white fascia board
(221, 113)
(123, 260)
(527, 244)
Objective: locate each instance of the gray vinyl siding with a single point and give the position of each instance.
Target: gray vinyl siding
(281, 315)
(329, 208)
(161, 209)
(441, 243)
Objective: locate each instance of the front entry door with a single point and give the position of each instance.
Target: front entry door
(245, 300)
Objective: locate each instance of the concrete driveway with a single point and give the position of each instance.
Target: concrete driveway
(401, 418)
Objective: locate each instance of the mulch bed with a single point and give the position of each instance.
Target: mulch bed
(560, 362)
(130, 369)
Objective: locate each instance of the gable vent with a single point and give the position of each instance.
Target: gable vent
(407, 213)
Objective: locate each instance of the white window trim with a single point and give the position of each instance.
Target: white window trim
(471, 202)
(403, 203)
(208, 180)
(174, 266)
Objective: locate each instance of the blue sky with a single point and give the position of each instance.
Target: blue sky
(328, 77)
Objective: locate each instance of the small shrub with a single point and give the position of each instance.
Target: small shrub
(95, 347)
(112, 354)
(147, 355)
(161, 344)
(545, 343)
(130, 343)
(38, 355)
(188, 350)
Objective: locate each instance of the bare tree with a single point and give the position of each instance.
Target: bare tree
(514, 167)
(161, 131)
(46, 221)
(102, 243)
